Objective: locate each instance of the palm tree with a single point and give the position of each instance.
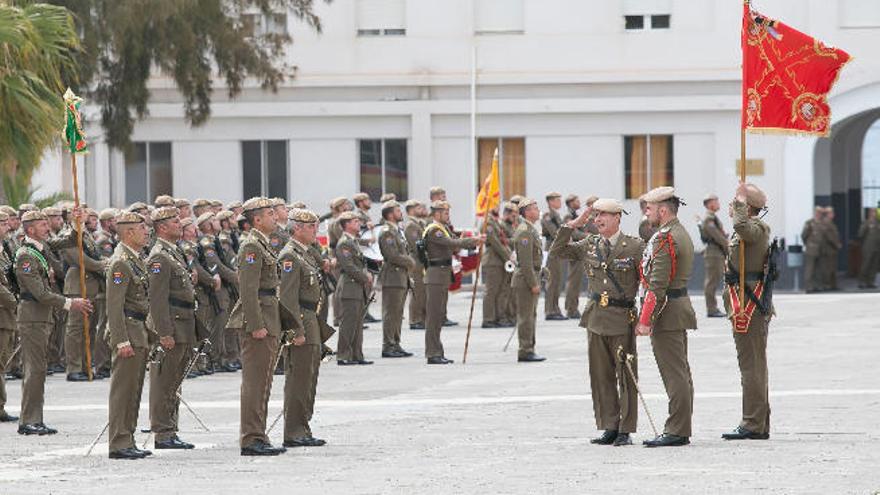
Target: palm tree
(38, 44)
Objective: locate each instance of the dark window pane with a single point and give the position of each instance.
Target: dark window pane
(160, 170)
(276, 163)
(395, 32)
(635, 154)
(396, 168)
(136, 174)
(251, 169)
(369, 32)
(635, 21)
(371, 167)
(660, 21)
(661, 161)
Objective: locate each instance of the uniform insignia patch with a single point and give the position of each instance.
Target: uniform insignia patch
(287, 266)
(26, 267)
(250, 258)
(210, 252)
(156, 267)
(346, 253)
(117, 278)
(275, 241)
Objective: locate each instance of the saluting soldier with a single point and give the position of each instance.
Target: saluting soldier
(666, 311)
(715, 239)
(550, 223)
(413, 229)
(257, 316)
(495, 255)
(38, 298)
(750, 327)
(440, 246)
(527, 278)
(301, 297)
(355, 285)
(7, 320)
(172, 312)
(127, 310)
(869, 236)
(394, 278)
(611, 259)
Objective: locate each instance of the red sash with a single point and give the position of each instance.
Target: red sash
(742, 318)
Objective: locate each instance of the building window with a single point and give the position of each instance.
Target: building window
(499, 17)
(383, 167)
(640, 15)
(147, 172)
(381, 17)
(511, 163)
(257, 25)
(650, 22)
(647, 163)
(264, 169)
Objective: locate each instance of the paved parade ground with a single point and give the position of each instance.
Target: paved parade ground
(496, 426)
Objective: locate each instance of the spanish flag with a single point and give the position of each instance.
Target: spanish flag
(490, 193)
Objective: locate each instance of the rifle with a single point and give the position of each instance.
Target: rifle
(771, 275)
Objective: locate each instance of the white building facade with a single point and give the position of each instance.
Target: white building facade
(581, 96)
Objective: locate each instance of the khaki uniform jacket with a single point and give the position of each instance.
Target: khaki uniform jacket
(395, 252)
(529, 256)
(441, 247)
(714, 231)
(205, 280)
(831, 242)
(278, 238)
(551, 221)
(227, 256)
(94, 265)
(171, 285)
(106, 243)
(37, 285)
(496, 251)
(663, 270)
(299, 282)
(413, 230)
(869, 235)
(8, 303)
(127, 290)
(622, 263)
(257, 305)
(813, 235)
(334, 233)
(353, 278)
(756, 235)
(216, 265)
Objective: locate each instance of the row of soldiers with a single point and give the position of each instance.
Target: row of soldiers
(822, 243)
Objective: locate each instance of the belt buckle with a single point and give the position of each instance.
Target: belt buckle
(603, 299)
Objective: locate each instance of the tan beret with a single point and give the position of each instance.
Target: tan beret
(51, 211)
(439, 205)
(297, 204)
(348, 215)
(390, 204)
(590, 200)
(108, 214)
(660, 194)
(437, 190)
(224, 215)
(33, 216)
(755, 197)
(12, 212)
(138, 206)
(570, 198)
(278, 202)
(129, 218)
(200, 203)
(3, 217)
(553, 195)
(710, 197)
(302, 215)
(186, 222)
(27, 207)
(163, 200)
(829, 209)
(387, 197)
(509, 206)
(361, 196)
(608, 205)
(90, 212)
(181, 202)
(337, 202)
(819, 209)
(412, 203)
(204, 217)
(526, 202)
(216, 202)
(165, 213)
(516, 198)
(254, 204)
(234, 204)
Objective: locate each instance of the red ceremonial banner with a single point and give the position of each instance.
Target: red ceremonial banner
(786, 77)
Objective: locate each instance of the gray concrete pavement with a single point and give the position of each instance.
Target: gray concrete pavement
(496, 426)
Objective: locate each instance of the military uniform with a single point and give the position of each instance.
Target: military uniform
(828, 254)
(106, 244)
(508, 310)
(495, 254)
(713, 259)
(226, 243)
(56, 352)
(440, 247)
(869, 236)
(527, 243)
(813, 235)
(646, 230)
(394, 278)
(278, 239)
(551, 221)
(413, 230)
(612, 271)
(8, 304)
(575, 276)
(750, 329)
(74, 340)
(257, 308)
(213, 263)
(300, 297)
(353, 292)
(127, 311)
(172, 312)
(666, 308)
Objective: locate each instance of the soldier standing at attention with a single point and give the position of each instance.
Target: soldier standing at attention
(413, 229)
(495, 255)
(666, 312)
(257, 316)
(278, 239)
(611, 259)
(869, 236)
(394, 278)
(8, 304)
(550, 223)
(750, 327)
(509, 223)
(527, 278)
(813, 234)
(38, 296)
(172, 311)
(830, 250)
(355, 285)
(301, 296)
(440, 246)
(715, 239)
(127, 309)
